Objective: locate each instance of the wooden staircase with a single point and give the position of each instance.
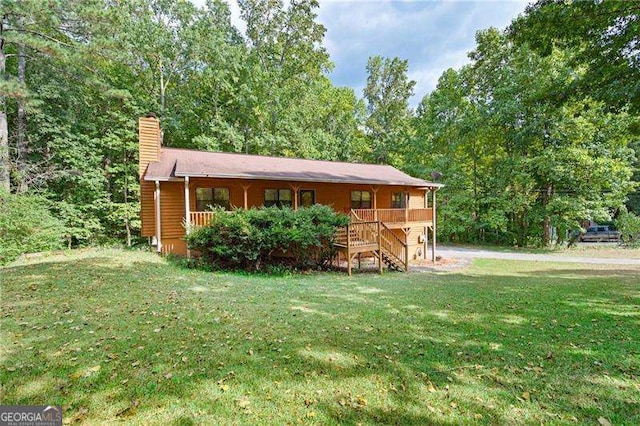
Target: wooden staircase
(372, 237)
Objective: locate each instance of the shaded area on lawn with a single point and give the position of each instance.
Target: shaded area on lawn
(124, 335)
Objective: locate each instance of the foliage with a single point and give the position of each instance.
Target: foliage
(628, 224)
(27, 226)
(604, 38)
(503, 342)
(521, 160)
(387, 94)
(540, 130)
(259, 238)
(84, 85)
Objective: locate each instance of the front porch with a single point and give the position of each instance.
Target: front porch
(392, 218)
(386, 234)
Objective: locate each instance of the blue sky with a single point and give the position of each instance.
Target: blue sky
(432, 35)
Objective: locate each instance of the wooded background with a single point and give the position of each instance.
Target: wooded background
(537, 133)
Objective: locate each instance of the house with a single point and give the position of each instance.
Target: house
(392, 213)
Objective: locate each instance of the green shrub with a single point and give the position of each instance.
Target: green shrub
(27, 226)
(258, 239)
(628, 224)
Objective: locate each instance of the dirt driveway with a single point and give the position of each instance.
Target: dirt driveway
(448, 252)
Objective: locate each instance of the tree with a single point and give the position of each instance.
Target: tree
(522, 160)
(605, 36)
(387, 95)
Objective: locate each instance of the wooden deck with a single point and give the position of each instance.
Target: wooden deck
(370, 232)
(394, 218)
(375, 238)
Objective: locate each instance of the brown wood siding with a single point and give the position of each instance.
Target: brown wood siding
(413, 238)
(175, 246)
(149, 142)
(336, 195)
(416, 199)
(147, 208)
(172, 210)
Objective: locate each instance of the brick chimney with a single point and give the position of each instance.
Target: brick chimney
(150, 139)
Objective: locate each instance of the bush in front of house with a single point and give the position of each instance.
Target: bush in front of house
(258, 239)
(27, 226)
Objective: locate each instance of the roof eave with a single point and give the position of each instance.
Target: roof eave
(297, 179)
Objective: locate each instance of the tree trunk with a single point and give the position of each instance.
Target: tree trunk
(22, 145)
(546, 227)
(5, 165)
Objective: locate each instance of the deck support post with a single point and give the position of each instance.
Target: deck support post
(156, 195)
(433, 227)
(406, 254)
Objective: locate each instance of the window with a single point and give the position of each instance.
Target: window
(216, 197)
(398, 200)
(278, 197)
(360, 200)
(307, 197)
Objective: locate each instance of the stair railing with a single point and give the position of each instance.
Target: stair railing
(394, 246)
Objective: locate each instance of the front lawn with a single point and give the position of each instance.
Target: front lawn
(118, 335)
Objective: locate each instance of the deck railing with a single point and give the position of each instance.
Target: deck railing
(392, 215)
(357, 234)
(394, 246)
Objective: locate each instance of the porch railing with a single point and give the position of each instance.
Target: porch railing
(200, 218)
(392, 215)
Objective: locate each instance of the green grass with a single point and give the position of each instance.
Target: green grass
(116, 335)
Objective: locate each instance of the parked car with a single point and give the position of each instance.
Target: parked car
(598, 233)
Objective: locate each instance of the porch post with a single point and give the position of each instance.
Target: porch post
(426, 227)
(375, 189)
(406, 205)
(187, 205)
(295, 189)
(433, 228)
(187, 212)
(245, 201)
(156, 195)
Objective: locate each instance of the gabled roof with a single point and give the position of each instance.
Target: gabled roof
(178, 163)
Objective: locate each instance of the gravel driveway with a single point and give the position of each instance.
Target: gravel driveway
(472, 253)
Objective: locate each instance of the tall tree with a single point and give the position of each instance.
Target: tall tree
(5, 164)
(537, 159)
(387, 95)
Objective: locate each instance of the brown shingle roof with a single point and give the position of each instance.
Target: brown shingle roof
(177, 163)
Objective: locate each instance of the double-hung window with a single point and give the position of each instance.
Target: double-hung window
(278, 197)
(360, 200)
(212, 197)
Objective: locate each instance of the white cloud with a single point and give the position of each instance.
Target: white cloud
(432, 35)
